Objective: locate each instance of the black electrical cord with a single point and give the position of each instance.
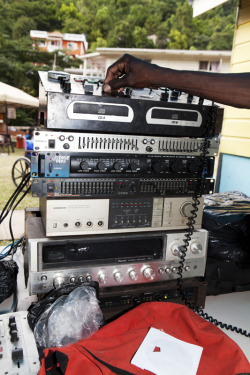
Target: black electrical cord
(7, 208)
(190, 230)
(10, 221)
(13, 197)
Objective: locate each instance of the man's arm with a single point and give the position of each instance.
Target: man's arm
(230, 89)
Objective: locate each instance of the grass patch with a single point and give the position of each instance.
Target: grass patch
(7, 186)
(6, 183)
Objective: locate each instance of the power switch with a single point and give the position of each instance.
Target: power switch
(51, 143)
(50, 188)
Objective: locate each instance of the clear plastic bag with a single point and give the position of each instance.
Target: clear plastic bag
(69, 319)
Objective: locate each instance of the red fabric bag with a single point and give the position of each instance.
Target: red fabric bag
(110, 350)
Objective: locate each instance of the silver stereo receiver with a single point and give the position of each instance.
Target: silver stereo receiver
(64, 217)
(111, 260)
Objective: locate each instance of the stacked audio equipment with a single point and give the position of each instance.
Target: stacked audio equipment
(120, 180)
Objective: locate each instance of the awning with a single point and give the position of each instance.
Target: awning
(14, 97)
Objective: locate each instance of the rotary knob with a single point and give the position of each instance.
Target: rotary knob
(89, 278)
(101, 166)
(157, 166)
(177, 166)
(168, 270)
(186, 208)
(102, 277)
(196, 248)
(175, 269)
(194, 165)
(84, 165)
(117, 166)
(118, 277)
(177, 250)
(149, 273)
(66, 146)
(133, 166)
(133, 275)
(58, 281)
(72, 279)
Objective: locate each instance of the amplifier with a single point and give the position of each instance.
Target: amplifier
(115, 301)
(118, 187)
(111, 260)
(91, 143)
(64, 217)
(61, 164)
(71, 102)
(65, 164)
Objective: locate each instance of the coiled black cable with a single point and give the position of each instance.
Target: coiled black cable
(7, 208)
(198, 192)
(13, 197)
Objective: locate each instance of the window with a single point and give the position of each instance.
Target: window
(55, 43)
(72, 45)
(212, 66)
(203, 65)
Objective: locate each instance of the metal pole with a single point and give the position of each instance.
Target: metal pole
(6, 121)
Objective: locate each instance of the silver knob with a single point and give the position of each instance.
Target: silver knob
(89, 278)
(133, 275)
(187, 268)
(44, 278)
(118, 277)
(102, 277)
(175, 269)
(186, 209)
(196, 248)
(58, 281)
(177, 250)
(168, 270)
(161, 270)
(81, 279)
(149, 273)
(72, 279)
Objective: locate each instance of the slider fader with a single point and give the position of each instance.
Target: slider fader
(18, 351)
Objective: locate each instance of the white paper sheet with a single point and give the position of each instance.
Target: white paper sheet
(163, 354)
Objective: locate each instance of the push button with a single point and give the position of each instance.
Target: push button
(51, 143)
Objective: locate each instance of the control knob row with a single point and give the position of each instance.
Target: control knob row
(148, 273)
(178, 250)
(117, 166)
(59, 280)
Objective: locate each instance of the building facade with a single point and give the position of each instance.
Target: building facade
(235, 137)
(74, 44)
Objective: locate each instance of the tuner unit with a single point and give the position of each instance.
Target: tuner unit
(112, 260)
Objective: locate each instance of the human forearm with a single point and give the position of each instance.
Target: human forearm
(230, 89)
